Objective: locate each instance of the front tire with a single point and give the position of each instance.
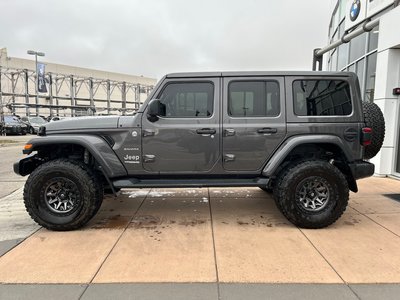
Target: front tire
(62, 195)
(266, 189)
(312, 194)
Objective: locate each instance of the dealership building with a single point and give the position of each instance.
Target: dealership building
(364, 37)
(66, 90)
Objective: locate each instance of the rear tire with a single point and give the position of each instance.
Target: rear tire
(312, 194)
(62, 195)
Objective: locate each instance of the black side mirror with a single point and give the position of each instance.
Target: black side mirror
(155, 110)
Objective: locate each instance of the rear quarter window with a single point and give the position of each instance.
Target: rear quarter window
(322, 98)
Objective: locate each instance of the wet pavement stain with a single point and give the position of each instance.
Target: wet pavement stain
(147, 222)
(352, 222)
(242, 223)
(114, 222)
(191, 222)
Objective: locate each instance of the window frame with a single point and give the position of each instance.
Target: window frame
(253, 80)
(189, 82)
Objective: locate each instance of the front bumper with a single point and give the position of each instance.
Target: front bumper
(27, 165)
(13, 129)
(362, 169)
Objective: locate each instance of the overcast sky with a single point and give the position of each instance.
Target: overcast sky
(154, 37)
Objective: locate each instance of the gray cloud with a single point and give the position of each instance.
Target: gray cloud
(155, 37)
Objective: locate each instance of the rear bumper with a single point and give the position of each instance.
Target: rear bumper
(362, 169)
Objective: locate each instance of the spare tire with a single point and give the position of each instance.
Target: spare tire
(374, 119)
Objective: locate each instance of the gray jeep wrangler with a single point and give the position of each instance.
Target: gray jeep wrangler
(305, 136)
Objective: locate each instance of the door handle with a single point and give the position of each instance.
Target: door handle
(267, 130)
(229, 132)
(149, 132)
(206, 131)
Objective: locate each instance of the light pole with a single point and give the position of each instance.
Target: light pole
(36, 53)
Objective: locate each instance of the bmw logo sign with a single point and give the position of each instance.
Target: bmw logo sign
(355, 10)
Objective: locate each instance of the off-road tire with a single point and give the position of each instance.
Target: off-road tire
(374, 119)
(267, 189)
(289, 183)
(88, 190)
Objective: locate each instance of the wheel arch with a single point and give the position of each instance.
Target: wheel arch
(325, 147)
(98, 147)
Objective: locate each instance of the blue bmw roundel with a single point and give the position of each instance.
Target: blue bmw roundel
(355, 10)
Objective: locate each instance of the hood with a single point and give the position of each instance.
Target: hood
(82, 123)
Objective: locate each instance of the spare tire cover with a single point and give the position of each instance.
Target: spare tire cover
(374, 119)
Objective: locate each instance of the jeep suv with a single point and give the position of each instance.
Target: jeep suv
(305, 136)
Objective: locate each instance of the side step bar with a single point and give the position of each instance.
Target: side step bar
(177, 183)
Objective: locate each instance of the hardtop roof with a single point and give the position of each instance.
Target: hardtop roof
(257, 74)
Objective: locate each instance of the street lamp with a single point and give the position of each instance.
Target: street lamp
(36, 53)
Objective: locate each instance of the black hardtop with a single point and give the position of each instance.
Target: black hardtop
(258, 74)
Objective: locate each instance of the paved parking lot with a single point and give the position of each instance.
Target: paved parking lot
(205, 244)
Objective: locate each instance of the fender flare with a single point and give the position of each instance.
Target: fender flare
(97, 146)
(292, 142)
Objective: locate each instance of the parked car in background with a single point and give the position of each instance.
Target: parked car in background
(12, 125)
(33, 123)
(53, 119)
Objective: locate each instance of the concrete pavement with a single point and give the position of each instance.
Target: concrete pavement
(223, 239)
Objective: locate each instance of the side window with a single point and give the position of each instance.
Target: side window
(253, 99)
(321, 98)
(188, 99)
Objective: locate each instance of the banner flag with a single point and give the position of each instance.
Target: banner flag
(42, 88)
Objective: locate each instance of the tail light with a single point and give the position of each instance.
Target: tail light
(366, 136)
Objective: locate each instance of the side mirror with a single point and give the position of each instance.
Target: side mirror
(155, 110)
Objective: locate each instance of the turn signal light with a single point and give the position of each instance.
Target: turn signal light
(366, 136)
(28, 147)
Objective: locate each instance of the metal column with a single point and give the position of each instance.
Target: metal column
(51, 94)
(26, 92)
(108, 96)
(71, 91)
(123, 92)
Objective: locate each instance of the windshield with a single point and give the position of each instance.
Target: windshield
(10, 119)
(37, 120)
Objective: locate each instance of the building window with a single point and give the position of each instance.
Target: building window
(357, 47)
(373, 39)
(360, 73)
(321, 98)
(342, 8)
(343, 55)
(188, 99)
(253, 99)
(370, 78)
(333, 65)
